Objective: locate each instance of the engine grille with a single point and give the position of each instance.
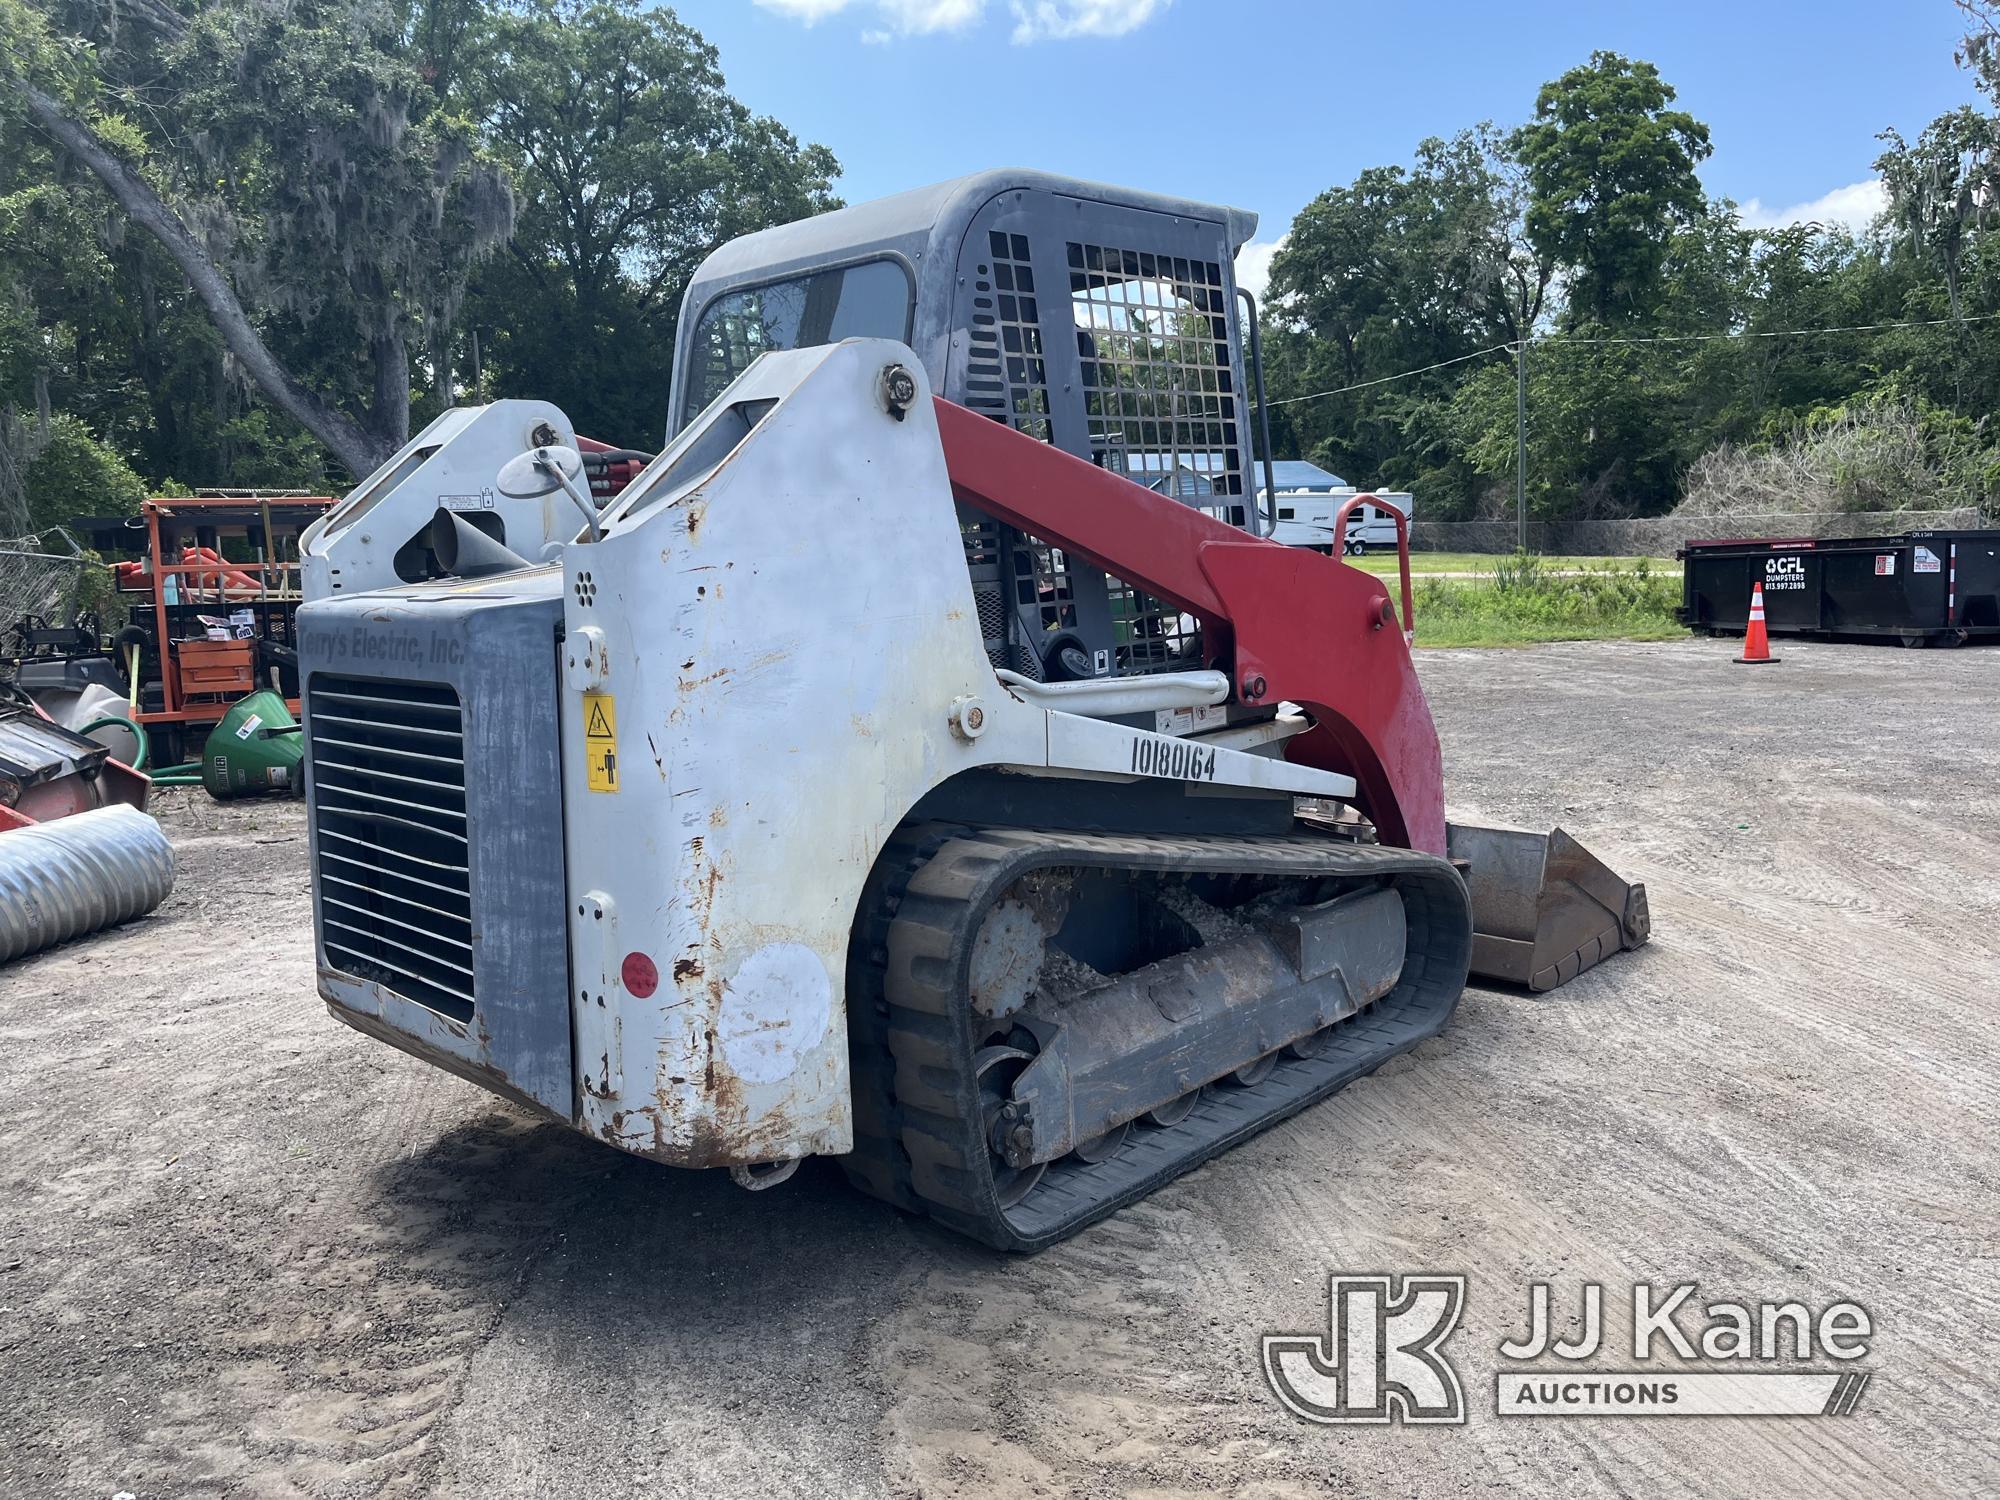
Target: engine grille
(394, 889)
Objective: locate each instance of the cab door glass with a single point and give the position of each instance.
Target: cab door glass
(869, 300)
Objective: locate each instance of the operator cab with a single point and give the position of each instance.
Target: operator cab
(1104, 321)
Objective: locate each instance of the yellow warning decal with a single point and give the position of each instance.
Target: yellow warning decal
(600, 742)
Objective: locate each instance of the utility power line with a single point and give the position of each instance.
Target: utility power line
(1763, 333)
(1660, 338)
(1404, 375)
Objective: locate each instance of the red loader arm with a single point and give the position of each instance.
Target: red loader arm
(1288, 625)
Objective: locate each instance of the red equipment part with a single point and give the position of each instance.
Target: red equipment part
(1288, 624)
(48, 772)
(1402, 551)
(610, 469)
(138, 576)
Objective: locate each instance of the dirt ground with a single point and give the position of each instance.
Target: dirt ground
(245, 1251)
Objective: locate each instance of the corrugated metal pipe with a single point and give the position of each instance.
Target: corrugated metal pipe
(61, 879)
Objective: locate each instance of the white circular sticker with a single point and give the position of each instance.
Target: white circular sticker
(774, 1011)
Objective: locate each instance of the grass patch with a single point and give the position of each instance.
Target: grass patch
(1528, 600)
(1382, 561)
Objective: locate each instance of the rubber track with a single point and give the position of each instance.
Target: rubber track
(878, 1165)
(918, 1135)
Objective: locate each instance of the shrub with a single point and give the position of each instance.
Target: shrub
(1527, 601)
(76, 474)
(1886, 453)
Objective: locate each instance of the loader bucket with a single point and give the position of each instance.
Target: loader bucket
(1544, 908)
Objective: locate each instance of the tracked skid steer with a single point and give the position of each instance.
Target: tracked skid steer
(927, 760)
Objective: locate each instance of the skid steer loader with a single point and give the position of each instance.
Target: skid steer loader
(926, 760)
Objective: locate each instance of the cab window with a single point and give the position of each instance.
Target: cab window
(869, 300)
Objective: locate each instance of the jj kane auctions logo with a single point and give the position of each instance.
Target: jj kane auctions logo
(1382, 1357)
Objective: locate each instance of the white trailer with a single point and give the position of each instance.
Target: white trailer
(1304, 518)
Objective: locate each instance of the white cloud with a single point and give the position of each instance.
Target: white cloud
(1034, 20)
(901, 17)
(1057, 20)
(1253, 265)
(808, 11)
(916, 17)
(1852, 207)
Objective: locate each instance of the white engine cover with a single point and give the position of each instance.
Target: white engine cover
(770, 657)
(451, 465)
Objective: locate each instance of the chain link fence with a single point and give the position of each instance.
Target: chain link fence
(44, 575)
(1661, 536)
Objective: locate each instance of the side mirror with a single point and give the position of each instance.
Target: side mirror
(538, 472)
(543, 471)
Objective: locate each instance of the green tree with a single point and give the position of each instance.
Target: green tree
(1612, 172)
(1942, 190)
(1674, 340)
(1610, 427)
(99, 323)
(77, 474)
(633, 161)
(1402, 270)
(296, 167)
(344, 190)
(1981, 49)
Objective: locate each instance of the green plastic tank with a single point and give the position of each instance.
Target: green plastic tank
(255, 751)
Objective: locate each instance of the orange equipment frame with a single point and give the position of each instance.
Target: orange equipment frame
(198, 692)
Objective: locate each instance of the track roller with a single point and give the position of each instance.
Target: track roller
(1134, 1006)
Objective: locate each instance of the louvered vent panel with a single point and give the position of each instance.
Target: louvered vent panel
(387, 762)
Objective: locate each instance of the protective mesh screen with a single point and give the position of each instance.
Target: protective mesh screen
(1158, 401)
(1159, 391)
(40, 576)
(1006, 375)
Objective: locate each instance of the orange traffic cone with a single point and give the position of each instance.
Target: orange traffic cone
(1756, 642)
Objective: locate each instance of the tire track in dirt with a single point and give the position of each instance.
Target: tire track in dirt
(259, 1255)
(1759, 1103)
(310, 1235)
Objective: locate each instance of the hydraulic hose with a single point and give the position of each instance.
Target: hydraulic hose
(138, 733)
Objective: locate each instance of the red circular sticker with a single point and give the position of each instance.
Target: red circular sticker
(640, 977)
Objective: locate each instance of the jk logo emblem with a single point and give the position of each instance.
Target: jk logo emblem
(1381, 1358)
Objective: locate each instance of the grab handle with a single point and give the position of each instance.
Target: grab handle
(1402, 550)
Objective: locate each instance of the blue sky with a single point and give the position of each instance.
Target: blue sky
(1307, 93)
